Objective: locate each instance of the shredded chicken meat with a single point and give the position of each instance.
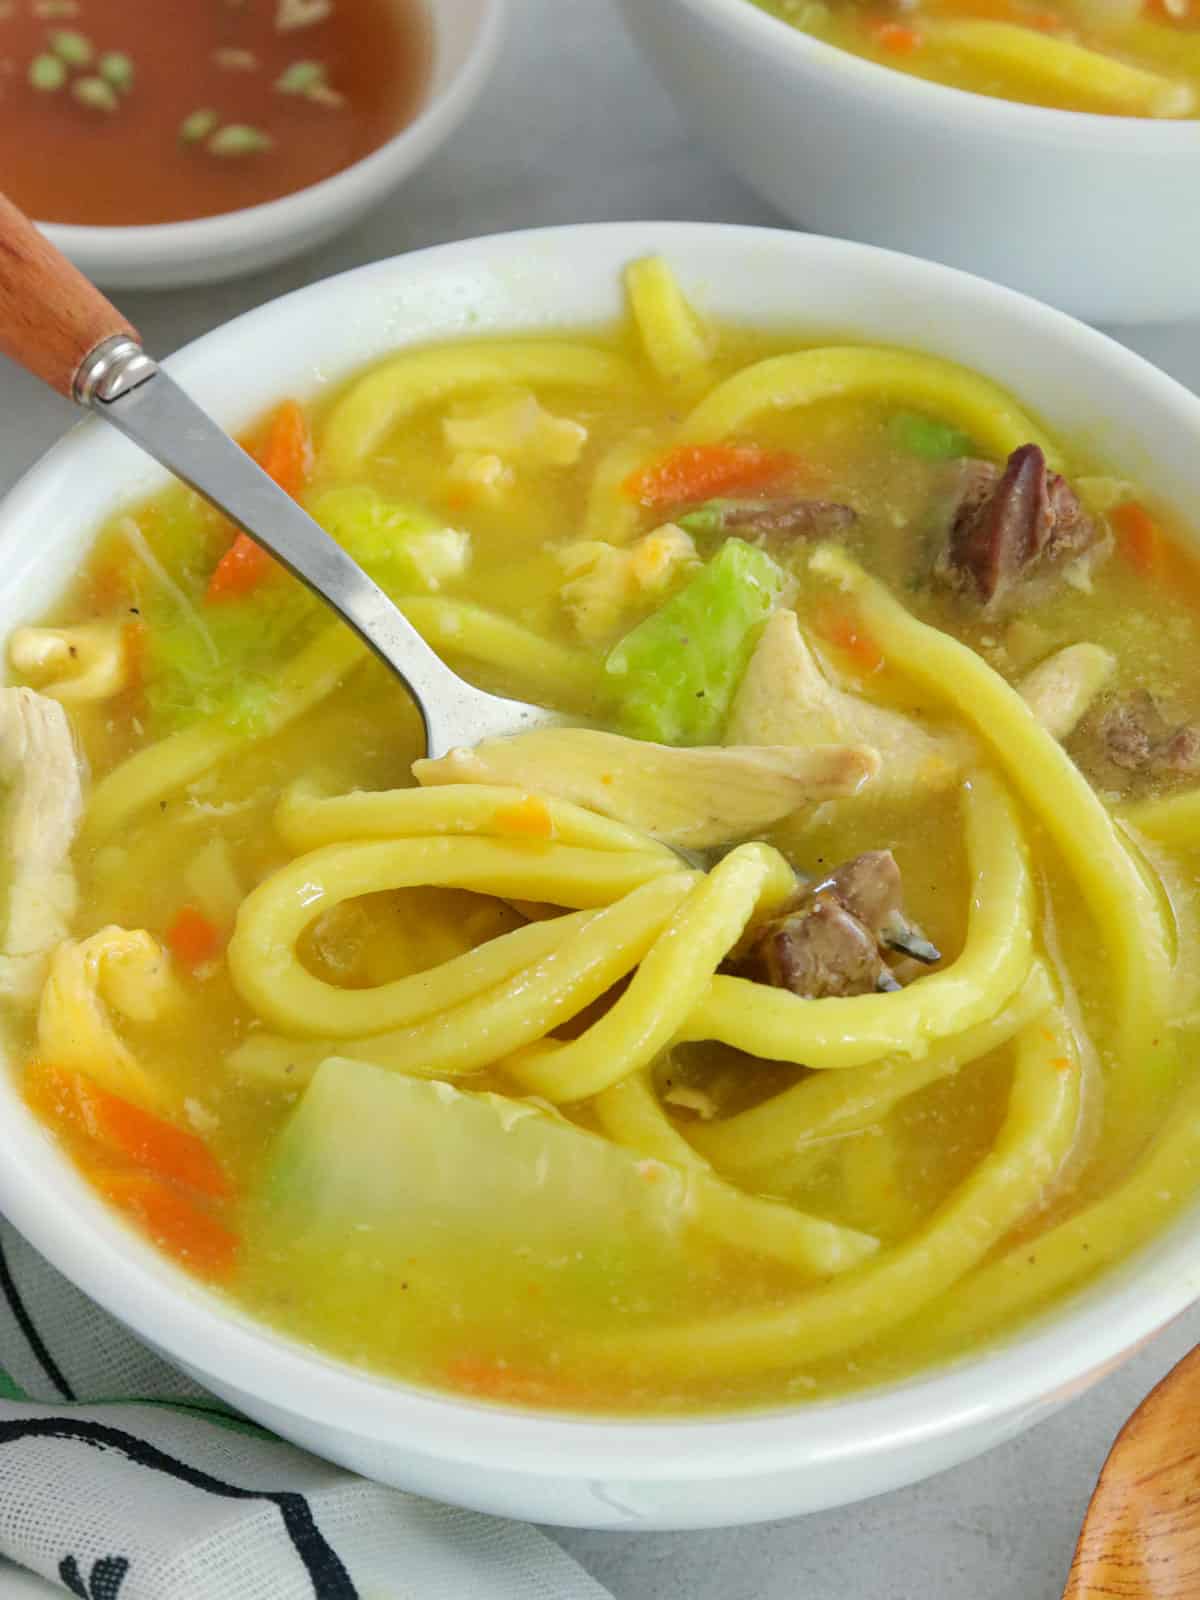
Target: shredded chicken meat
(42, 774)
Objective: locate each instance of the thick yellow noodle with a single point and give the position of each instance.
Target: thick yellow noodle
(1033, 1272)
(1062, 67)
(981, 408)
(541, 668)
(1125, 905)
(454, 627)
(611, 515)
(583, 964)
(676, 343)
(392, 393)
(1011, 1181)
(362, 843)
(995, 960)
(270, 975)
(832, 1104)
(671, 978)
(500, 967)
(163, 768)
(1173, 820)
(305, 819)
(631, 1115)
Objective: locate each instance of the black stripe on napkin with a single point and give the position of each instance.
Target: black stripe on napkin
(33, 1338)
(329, 1577)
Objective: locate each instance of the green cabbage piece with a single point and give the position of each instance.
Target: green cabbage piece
(222, 659)
(472, 1198)
(675, 674)
(403, 548)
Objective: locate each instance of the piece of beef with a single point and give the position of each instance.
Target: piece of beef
(1137, 737)
(1125, 732)
(832, 940)
(1007, 526)
(869, 887)
(821, 951)
(777, 518)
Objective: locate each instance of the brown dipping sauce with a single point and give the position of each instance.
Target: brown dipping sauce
(155, 145)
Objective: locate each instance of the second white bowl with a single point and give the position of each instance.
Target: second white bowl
(1097, 215)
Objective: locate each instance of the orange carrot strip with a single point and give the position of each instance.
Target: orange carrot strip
(193, 938)
(176, 1224)
(1139, 538)
(285, 456)
(526, 819)
(241, 569)
(490, 1378)
(849, 637)
(896, 38)
(149, 1141)
(694, 472)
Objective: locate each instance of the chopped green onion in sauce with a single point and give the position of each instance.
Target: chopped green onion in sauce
(198, 125)
(115, 67)
(97, 95)
(71, 47)
(238, 139)
(47, 73)
(122, 113)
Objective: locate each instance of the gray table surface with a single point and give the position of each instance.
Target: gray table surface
(574, 129)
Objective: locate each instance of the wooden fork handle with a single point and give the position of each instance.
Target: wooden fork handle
(51, 317)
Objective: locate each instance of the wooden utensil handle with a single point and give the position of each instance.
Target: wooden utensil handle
(51, 317)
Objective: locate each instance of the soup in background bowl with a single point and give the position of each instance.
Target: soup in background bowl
(1091, 211)
(1122, 59)
(475, 1082)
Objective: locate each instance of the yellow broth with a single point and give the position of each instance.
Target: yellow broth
(1141, 60)
(486, 1301)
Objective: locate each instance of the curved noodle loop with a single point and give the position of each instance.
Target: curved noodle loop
(386, 397)
(632, 910)
(270, 975)
(1011, 1180)
(979, 407)
(1121, 899)
(848, 1032)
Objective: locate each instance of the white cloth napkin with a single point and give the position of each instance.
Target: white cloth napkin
(121, 1480)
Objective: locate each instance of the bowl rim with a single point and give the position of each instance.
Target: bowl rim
(439, 113)
(771, 35)
(219, 1342)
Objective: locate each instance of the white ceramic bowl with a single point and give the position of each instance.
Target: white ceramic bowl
(167, 255)
(1098, 215)
(597, 1473)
